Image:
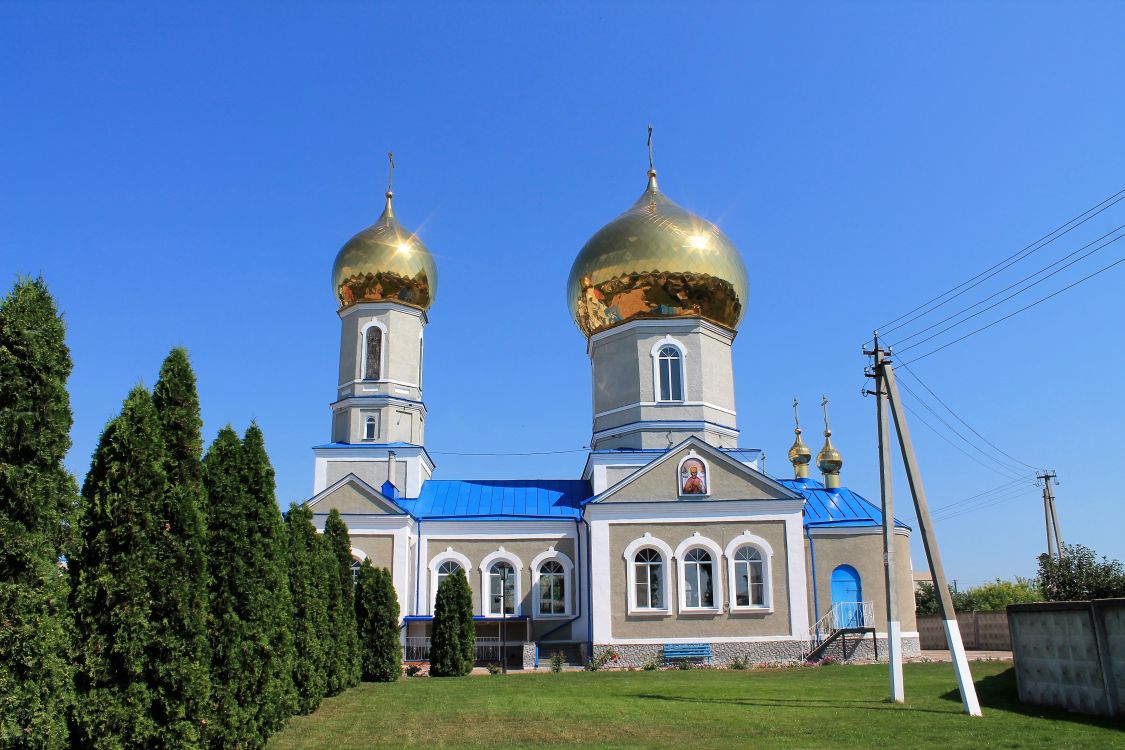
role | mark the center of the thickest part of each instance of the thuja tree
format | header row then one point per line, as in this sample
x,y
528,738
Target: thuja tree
x,y
343,664
376,614
308,588
453,638
119,536
37,498
177,663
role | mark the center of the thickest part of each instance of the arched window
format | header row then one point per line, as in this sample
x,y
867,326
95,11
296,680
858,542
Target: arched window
x,y
749,578
552,588
502,589
370,428
649,576
670,373
446,569
373,347
699,589
356,566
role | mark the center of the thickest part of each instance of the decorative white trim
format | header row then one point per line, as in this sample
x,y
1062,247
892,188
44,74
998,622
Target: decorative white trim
x,y
380,381
702,639
746,539
706,476
385,340
650,425
669,511
568,583
500,555
654,353
648,541
358,554
381,306
681,325
638,404
447,554
698,541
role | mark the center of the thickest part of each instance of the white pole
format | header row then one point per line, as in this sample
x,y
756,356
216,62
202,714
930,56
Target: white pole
x,y
894,629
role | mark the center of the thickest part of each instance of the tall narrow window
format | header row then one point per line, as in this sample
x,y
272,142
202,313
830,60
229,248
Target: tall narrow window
x,y
502,589
371,428
552,588
670,367
374,349
699,590
649,576
356,567
749,581
446,569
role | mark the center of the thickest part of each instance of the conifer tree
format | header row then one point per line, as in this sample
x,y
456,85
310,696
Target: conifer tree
x,y
37,506
120,533
310,608
376,614
178,658
446,655
345,662
468,634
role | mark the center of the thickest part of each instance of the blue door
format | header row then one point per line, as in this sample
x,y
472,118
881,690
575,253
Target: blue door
x,y
847,593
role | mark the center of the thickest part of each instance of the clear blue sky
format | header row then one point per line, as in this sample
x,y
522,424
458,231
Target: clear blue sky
x,y
185,176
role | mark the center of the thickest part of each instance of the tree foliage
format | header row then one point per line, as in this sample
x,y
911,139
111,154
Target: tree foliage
x,y
37,505
988,597
1079,575
343,657
179,651
309,591
453,638
376,614
112,582
251,610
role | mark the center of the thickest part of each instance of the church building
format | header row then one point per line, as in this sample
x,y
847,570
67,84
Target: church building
x,y
673,543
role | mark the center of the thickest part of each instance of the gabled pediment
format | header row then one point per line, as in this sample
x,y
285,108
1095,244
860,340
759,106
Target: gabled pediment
x,y
352,495
694,471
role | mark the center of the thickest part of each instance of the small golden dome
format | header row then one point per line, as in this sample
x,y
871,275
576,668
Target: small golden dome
x,y
799,453
385,263
829,460
656,260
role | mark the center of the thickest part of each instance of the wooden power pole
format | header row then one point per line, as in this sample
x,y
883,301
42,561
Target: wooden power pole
x,y
885,375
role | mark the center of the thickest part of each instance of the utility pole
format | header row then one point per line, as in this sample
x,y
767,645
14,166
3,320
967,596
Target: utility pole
x,y
1053,533
886,373
894,629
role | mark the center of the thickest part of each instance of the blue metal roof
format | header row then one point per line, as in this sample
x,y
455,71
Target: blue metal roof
x,y
836,508
496,499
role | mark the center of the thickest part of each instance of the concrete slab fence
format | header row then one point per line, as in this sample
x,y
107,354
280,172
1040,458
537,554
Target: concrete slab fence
x,y
980,631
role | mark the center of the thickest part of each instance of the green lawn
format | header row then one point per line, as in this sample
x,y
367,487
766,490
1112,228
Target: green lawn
x,y
835,706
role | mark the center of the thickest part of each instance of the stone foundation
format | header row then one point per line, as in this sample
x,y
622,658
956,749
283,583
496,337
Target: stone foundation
x,y
636,655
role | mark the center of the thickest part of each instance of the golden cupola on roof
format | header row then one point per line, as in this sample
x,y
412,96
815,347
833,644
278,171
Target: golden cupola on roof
x,y
829,460
385,263
657,260
799,453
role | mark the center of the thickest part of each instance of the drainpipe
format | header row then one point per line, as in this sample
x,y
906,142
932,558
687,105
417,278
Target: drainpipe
x,y
589,594
815,597
418,567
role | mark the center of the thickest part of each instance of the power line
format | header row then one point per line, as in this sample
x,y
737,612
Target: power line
x,y
523,453
1017,256
1017,496
1010,296
1007,486
970,456
922,383
1017,312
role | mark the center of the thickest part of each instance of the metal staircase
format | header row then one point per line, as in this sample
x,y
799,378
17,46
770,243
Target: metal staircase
x,y
842,620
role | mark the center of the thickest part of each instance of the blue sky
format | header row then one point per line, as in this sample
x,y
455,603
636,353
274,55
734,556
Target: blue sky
x,y
184,175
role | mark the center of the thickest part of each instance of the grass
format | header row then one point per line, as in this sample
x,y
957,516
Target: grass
x,y
833,706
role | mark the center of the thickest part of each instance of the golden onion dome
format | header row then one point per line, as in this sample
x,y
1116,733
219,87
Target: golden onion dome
x,y
829,460
656,260
385,263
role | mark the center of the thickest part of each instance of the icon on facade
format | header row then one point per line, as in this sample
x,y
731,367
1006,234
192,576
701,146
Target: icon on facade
x,y
693,477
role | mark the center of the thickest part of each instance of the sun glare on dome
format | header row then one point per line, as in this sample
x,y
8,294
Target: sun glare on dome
x,y
404,248
698,241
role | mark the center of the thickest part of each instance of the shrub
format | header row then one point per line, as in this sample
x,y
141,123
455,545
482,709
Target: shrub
x,y
685,664
446,652
1078,575
412,670
651,664
558,661
739,662
493,668
376,614
601,660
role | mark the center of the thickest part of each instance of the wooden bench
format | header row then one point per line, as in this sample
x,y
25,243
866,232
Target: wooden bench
x,y
676,652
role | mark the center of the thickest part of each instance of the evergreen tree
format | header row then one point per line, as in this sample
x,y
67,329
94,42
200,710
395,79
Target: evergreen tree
x,y
178,657
468,634
120,534
344,670
447,658
376,614
37,505
310,608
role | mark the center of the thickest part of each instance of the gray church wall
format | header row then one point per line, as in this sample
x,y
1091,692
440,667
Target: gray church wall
x,y
677,625
348,499
864,552
374,472
379,549
662,483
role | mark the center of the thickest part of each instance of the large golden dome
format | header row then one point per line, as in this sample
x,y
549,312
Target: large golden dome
x,y
385,263
656,260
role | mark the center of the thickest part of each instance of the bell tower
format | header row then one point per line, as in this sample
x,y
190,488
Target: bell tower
x,y
384,280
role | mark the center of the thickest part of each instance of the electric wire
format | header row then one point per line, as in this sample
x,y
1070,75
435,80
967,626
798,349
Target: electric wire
x,y
1007,486
1010,296
1017,496
970,456
518,453
1101,270
1017,256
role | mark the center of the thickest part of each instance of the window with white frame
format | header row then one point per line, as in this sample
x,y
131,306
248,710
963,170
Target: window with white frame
x,y
552,588
371,427
373,352
648,570
356,567
698,579
501,589
444,570
670,374
749,578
